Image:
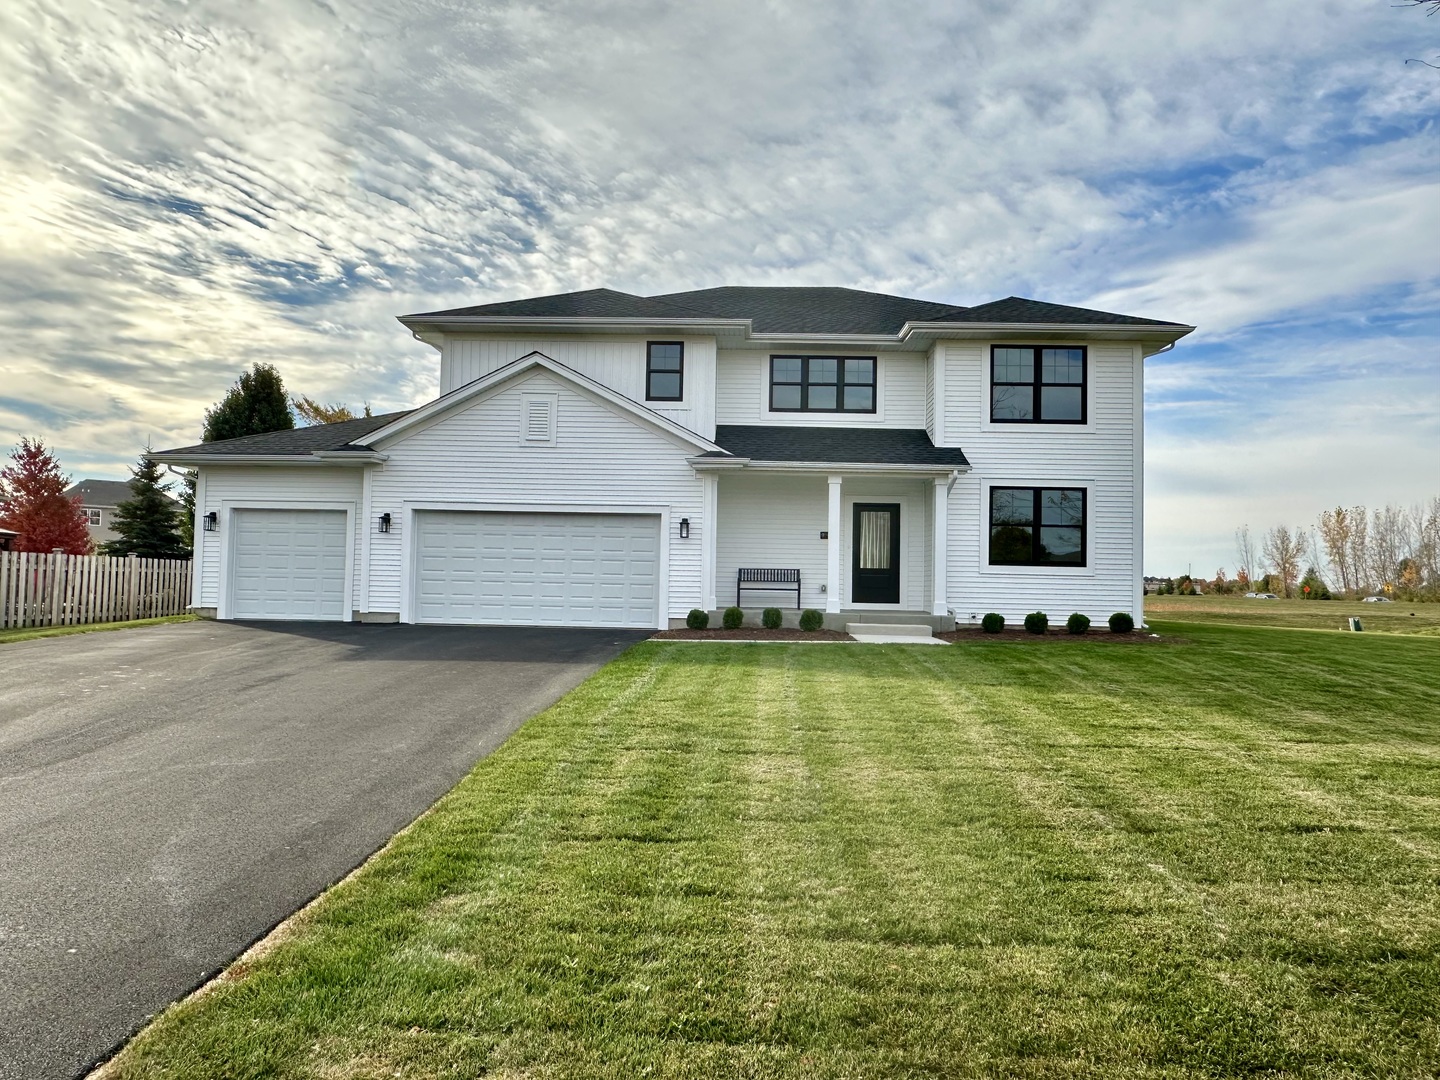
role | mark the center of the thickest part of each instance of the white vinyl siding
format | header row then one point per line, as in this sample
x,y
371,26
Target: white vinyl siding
x,y
280,487
1099,456
475,456
537,569
615,362
288,564
742,391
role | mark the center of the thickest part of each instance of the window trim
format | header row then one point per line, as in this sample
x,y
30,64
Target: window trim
x,y
1035,526
839,384
650,371
1038,381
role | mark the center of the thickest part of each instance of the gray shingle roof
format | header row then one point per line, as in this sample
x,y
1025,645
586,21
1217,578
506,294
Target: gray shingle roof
x,y
346,435
100,493
591,304
852,446
1017,309
793,310
787,310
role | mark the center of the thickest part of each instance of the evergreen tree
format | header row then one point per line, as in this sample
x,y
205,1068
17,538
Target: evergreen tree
x,y
257,403
149,523
33,503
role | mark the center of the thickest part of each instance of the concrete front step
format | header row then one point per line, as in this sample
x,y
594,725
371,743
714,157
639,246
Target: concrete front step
x,y
902,630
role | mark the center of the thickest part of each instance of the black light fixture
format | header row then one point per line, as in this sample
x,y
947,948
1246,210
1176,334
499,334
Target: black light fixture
x,y
684,528
212,521
384,522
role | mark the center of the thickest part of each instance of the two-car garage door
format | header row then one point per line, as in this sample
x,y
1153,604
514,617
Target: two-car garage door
x,y
537,569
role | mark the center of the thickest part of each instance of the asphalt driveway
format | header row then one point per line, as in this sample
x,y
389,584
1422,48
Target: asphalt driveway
x,y
168,794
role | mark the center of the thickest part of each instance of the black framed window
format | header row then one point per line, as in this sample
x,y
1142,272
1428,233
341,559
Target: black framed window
x,y
822,384
1037,384
664,370
1037,526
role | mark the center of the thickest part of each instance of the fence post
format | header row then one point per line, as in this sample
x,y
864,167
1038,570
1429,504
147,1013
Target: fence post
x,y
132,584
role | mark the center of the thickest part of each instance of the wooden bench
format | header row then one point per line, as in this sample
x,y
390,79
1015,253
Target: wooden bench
x,y
758,579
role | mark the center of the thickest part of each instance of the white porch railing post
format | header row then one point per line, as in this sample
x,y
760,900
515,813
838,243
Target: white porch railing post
x,y
940,547
832,575
709,539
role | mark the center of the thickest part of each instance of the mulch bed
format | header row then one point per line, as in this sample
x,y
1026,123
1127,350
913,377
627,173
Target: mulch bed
x,y
753,633
1019,633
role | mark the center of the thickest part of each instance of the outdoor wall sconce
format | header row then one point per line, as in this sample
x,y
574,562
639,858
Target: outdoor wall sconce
x,y
212,521
684,528
384,522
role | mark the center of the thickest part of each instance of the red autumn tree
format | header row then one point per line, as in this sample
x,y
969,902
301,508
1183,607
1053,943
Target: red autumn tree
x,y
33,503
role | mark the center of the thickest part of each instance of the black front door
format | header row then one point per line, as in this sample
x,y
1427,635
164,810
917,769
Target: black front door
x,y
876,554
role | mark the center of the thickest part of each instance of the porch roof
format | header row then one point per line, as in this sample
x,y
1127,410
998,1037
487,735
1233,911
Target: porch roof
x,y
840,445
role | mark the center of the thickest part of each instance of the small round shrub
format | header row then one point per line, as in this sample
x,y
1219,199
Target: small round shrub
x,y
1077,623
771,618
811,620
1121,623
697,619
1037,622
733,618
993,623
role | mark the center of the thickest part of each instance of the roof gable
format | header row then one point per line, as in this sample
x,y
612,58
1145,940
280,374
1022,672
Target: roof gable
x,y
464,396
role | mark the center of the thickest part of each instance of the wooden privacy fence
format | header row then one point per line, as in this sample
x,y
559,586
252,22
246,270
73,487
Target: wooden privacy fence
x,y
67,590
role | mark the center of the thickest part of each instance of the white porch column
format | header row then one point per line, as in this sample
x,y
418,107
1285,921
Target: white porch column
x,y
940,547
832,576
709,538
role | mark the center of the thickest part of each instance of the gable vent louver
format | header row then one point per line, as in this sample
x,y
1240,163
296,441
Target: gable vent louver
x,y
537,420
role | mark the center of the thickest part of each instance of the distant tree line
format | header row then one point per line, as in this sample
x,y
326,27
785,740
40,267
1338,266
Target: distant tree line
x,y
1348,553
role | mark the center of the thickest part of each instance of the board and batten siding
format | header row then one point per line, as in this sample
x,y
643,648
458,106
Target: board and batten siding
x,y
615,362
474,456
268,486
742,389
773,521
1102,455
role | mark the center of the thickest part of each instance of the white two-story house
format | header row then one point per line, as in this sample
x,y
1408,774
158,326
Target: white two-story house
x,y
603,459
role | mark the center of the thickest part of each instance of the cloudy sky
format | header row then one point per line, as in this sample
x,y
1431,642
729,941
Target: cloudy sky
x,y
187,188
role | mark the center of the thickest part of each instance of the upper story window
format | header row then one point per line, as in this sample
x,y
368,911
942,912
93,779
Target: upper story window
x,y
1037,526
822,384
664,371
1032,384
92,517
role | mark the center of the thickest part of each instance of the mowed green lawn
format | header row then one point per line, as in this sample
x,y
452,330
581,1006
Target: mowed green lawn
x,y
1030,859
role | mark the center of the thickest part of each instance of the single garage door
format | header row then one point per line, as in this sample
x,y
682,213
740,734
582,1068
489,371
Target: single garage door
x,y
538,569
288,564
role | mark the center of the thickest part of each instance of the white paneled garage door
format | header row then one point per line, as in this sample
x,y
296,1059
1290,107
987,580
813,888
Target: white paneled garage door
x,y
530,569
288,564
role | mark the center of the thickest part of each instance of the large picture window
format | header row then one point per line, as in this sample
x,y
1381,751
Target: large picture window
x,y
822,384
664,371
1034,384
1037,526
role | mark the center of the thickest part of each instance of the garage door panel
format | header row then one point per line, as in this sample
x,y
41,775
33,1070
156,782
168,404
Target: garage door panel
x,y
538,569
288,564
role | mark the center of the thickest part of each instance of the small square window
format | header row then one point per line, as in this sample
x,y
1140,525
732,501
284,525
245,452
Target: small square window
x,y
665,371
93,518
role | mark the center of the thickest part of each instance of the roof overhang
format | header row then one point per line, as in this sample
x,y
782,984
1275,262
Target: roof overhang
x,y
1160,336
732,464
311,458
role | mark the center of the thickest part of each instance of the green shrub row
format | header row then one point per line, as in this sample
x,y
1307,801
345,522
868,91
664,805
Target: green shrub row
x,y
732,618
1037,622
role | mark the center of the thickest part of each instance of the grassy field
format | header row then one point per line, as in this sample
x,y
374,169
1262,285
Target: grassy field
x,y
1212,858
1399,617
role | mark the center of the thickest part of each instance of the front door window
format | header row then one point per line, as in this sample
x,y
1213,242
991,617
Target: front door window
x,y
876,570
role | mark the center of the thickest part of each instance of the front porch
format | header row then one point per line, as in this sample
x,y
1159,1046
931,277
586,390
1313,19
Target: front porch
x,y
869,544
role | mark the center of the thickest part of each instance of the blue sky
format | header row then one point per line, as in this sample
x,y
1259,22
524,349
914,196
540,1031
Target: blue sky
x,y
192,187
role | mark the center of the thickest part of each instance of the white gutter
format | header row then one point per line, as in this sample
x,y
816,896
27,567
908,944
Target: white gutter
x,y
703,464
315,457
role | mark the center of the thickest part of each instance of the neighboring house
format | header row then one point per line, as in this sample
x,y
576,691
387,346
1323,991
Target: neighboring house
x,y
99,499
7,539
603,459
